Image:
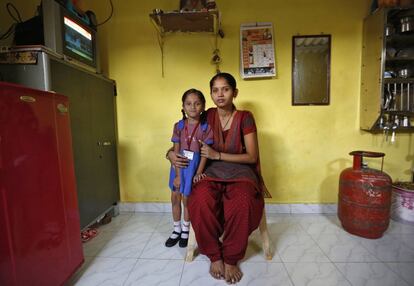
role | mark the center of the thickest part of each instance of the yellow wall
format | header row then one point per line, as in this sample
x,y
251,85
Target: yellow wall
x,y
303,149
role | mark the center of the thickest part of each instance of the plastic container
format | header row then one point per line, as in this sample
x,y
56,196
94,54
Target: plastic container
x,y
402,206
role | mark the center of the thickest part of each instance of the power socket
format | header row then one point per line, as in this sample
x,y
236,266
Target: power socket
x,y
5,49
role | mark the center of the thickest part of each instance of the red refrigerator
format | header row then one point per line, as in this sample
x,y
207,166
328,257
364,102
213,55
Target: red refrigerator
x,y
39,217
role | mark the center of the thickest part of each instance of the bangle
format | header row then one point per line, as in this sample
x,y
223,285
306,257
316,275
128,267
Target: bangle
x,y
219,158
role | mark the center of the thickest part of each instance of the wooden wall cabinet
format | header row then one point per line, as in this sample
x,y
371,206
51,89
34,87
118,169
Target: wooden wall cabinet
x,y
387,73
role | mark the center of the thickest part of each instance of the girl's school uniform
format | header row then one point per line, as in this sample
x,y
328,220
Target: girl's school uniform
x,y
188,135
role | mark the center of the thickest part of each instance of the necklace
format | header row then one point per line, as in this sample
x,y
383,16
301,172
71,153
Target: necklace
x,y
228,120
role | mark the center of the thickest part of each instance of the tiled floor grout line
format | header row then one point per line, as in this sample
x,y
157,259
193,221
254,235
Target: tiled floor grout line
x,y
284,265
333,263
373,254
383,261
277,252
149,239
402,277
283,262
182,273
396,273
103,246
129,274
139,256
287,272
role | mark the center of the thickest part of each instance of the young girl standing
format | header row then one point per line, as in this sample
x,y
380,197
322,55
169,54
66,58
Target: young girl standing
x,y
186,135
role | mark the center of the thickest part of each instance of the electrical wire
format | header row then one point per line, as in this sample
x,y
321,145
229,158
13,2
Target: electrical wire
x,y
8,33
160,38
110,16
18,19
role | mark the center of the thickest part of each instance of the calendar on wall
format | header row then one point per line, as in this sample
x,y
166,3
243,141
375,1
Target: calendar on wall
x,y
257,50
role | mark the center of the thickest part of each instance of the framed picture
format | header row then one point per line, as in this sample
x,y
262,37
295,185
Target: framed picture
x,y
192,5
257,51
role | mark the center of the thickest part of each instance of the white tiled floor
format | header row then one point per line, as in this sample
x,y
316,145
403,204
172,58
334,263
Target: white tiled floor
x,y
310,249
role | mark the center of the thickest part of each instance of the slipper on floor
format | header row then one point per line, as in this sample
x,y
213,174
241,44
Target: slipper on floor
x,y
88,234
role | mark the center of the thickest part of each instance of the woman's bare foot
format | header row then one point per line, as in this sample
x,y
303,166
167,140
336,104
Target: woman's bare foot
x,y
232,273
217,269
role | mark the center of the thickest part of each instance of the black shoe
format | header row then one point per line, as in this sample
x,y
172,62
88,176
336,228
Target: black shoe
x,y
183,241
173,241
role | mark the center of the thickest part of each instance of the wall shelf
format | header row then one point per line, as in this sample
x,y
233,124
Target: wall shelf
x,y
195,21
187,22
398,80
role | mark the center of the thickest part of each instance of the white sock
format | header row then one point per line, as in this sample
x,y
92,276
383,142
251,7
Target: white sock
x,y
177,228
185,227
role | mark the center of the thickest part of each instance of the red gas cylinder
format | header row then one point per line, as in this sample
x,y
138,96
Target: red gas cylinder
x,y
364,198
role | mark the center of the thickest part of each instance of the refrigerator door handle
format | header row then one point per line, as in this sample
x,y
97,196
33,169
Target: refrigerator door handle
x,y
62,108
104,143
27,98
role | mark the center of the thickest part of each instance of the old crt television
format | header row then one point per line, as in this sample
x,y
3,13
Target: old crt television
x,y
62,31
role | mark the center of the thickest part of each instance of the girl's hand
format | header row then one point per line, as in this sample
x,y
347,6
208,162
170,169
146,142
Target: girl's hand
x,y
177,160
198,177
177,183
208,152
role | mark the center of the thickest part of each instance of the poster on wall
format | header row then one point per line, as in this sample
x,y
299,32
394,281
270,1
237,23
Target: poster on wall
x,y
257,51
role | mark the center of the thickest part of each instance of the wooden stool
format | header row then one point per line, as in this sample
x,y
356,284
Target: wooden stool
x,y
264,233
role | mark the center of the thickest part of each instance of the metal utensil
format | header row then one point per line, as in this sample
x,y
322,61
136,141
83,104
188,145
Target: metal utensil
x,y
405,73
389,30
388,98
407,24
385,134
393,128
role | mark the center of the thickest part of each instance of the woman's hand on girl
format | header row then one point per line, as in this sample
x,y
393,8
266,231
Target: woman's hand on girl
x,y
198,177
177,160
208,152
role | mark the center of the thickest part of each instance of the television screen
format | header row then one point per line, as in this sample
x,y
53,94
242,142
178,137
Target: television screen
x,y
78,41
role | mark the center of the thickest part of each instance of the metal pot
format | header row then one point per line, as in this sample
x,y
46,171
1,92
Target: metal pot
x,y
406,53
407,24
391,52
